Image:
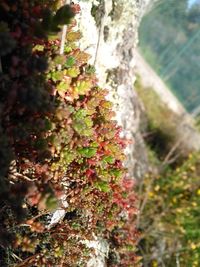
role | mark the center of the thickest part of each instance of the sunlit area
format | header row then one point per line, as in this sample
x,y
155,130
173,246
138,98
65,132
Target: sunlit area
x,y
168,85
100,133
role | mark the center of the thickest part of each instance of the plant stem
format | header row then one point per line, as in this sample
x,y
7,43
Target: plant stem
x,y
63,36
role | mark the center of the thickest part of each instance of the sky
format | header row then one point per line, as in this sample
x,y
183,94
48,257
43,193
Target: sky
x,y
191,2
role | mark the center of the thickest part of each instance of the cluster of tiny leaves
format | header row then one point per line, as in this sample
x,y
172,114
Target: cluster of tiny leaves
x,y
58,138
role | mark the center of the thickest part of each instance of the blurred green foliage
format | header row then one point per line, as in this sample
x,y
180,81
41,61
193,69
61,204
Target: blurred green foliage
x,y
170,216
169,194
160,124
169,41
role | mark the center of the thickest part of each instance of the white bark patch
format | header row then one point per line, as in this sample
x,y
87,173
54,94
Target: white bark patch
x,y
101,249
59,214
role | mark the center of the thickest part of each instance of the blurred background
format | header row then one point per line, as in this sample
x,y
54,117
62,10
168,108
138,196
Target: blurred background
x,y
169,37
168,85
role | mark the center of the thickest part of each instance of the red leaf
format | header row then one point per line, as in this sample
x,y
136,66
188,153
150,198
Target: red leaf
x,y
89,173
128,183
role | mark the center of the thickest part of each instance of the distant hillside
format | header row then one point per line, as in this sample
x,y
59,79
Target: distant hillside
x,y
170,41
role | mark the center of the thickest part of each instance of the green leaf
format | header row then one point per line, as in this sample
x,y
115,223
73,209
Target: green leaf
x,y
59,59
82,130
62,87
130,247
103,186
57,76
68,156
90,69
80,114
104,174
70,62
94,144
73,36
68,49
88,122
38,48
115,172
82,87
73,72
82,123
76,225
51,202
87,152
109,159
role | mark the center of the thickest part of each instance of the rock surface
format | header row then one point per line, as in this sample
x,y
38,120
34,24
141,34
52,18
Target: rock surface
x,y
111,37
112,40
